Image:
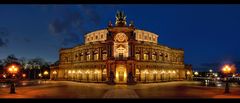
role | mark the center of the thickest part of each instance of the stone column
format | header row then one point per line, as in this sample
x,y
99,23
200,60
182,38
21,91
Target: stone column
x,y
108,71
92,55
133,51
157,56
141,54
100,54
84,55
150,54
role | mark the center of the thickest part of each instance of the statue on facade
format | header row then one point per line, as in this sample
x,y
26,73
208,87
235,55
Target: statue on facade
x,y
109,24
111,79
131,24
130,78
120,19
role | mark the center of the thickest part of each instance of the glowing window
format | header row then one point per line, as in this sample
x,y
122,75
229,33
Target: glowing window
x,y
105,56
137,56
153,57
95,56
88,57
145,56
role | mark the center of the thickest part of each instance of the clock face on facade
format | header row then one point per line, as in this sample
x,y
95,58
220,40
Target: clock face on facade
x,y
120,37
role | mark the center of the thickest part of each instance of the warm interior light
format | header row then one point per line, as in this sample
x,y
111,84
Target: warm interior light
x,y
196,73
45,73
54,72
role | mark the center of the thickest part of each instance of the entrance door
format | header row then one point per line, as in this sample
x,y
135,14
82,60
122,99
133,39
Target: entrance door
x,y
121,76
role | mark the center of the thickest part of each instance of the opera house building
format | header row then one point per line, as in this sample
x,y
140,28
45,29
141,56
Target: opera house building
x,y
121,53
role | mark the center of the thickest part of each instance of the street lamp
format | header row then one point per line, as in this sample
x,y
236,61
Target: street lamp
x,y
169,72
196,73
174,76
4,76
162,74
45,73
145,72
210,70
69,74
73,75
23,75
188,73
96,74
138,74
87,72
13,70
40,75
155,75
80,73
226,70
55,74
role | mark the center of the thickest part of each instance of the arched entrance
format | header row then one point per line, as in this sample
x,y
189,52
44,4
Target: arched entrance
x,y
121,74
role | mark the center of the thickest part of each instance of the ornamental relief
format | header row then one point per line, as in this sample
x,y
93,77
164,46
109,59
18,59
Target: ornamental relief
x,y
121,37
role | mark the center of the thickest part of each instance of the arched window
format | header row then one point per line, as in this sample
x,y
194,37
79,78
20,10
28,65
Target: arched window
x,y
76,57
166,57
81,57
137,55
145,56
154,56
96,56
161,57
104,55
88,56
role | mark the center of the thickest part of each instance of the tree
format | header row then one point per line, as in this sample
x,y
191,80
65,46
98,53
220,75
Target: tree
x,y
1,62
1,66
10,60
56,63
36,64
24,64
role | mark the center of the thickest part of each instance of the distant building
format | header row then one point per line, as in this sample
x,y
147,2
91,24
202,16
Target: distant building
x,y
123,54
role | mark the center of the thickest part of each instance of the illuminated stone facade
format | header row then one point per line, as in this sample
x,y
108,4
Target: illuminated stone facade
x,y
130,54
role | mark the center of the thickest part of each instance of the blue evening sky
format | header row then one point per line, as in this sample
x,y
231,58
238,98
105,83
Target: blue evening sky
x,y
209,34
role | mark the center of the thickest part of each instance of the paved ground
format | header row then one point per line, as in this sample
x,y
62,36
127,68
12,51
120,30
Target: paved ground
x,y
68,89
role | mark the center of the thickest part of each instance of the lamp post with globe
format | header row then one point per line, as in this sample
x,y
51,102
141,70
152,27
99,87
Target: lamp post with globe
x,y
55,75
13,70
45,73
226,70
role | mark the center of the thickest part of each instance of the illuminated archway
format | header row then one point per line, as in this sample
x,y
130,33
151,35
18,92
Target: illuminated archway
x,y
121,74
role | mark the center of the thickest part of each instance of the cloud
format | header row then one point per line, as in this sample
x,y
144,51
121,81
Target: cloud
x,y
27,40
3,37
217,65
73,23
3,42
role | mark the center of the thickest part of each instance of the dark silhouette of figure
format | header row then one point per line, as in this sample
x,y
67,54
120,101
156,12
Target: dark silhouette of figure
x,y
12,88
111,77
130,77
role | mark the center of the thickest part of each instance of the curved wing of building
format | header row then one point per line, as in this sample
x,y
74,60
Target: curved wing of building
x,y
121,54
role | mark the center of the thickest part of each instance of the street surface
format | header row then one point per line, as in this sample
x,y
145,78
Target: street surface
x,y
69,89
